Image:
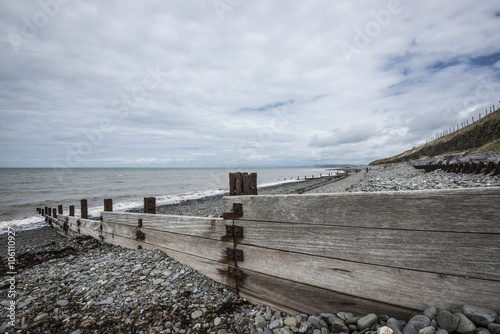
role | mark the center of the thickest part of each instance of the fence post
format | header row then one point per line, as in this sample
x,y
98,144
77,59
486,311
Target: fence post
x,y
84,209
54,212
242,184
72,210
108,204
60,209
150,205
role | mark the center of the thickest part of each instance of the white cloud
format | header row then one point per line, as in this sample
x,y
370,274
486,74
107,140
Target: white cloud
x,y
421,69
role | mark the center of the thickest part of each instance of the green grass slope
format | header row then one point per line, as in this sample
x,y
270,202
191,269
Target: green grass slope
x,y
480,136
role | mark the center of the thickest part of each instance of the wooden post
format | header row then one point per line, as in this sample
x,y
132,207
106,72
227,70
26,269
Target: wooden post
x,y
489,167
235,184
150,205
54,212
250,184
84,209
49,211
42,212
60,209
72,210
108,204
497,170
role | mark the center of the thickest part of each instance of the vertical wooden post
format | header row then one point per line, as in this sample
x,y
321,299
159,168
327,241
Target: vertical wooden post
x,y
49,211
54,212
72,210
243,184
42,212
250,184
84,209
60,209
235,184
150,205
108,204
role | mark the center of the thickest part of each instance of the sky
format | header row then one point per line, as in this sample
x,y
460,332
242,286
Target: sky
x,y
238,83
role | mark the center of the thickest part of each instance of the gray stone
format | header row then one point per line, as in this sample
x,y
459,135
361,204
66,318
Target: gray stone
x,y
217,321
446,320
290,321
268,331
107,301
339,327
351,320
442,331
465,325
416,324
427,330
479,315
316,331
285,330
395,324
268,315
196,314
367,321
76,331
260,321
315,321
168,324
353,328
41,317
222,331
276,324
494,328
482,331
431,312
62,302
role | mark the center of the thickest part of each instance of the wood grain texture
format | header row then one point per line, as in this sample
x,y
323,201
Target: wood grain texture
x,y
405,288
460,254
457,210
202,247
297,298
210,228
212,269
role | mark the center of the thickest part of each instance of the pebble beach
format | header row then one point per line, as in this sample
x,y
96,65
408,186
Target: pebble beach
x,y
82,286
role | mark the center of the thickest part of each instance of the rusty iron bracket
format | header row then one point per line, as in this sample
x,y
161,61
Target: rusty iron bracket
x,y
140,236
236,214
234,254
235,272
234,231
139,223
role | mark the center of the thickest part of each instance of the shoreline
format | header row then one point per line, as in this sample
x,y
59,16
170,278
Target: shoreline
x,y
82,286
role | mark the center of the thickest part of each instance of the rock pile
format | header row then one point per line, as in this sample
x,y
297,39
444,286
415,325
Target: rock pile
x,y
81,286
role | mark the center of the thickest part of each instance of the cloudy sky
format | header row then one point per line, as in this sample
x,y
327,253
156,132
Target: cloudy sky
x,y
218,83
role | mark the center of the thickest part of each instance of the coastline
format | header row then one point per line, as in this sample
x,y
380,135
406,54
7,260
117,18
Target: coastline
x,y
81,286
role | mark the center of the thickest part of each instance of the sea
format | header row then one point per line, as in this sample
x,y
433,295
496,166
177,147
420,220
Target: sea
x,y
22,190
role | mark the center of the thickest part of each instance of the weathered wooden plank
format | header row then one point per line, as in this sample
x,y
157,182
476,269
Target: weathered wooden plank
x,y
456,210
462,254
296,298
212,269
210,228
405,288
202,247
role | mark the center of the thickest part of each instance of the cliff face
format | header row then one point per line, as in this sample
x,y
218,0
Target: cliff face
x,y
473,136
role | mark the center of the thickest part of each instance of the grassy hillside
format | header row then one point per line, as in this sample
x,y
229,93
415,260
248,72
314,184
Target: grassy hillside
x,y
480,136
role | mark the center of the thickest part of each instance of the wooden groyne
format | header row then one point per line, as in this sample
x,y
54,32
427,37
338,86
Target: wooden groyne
x,y
485,168
390,253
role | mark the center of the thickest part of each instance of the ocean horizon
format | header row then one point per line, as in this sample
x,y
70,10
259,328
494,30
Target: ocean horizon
x,y
22,189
